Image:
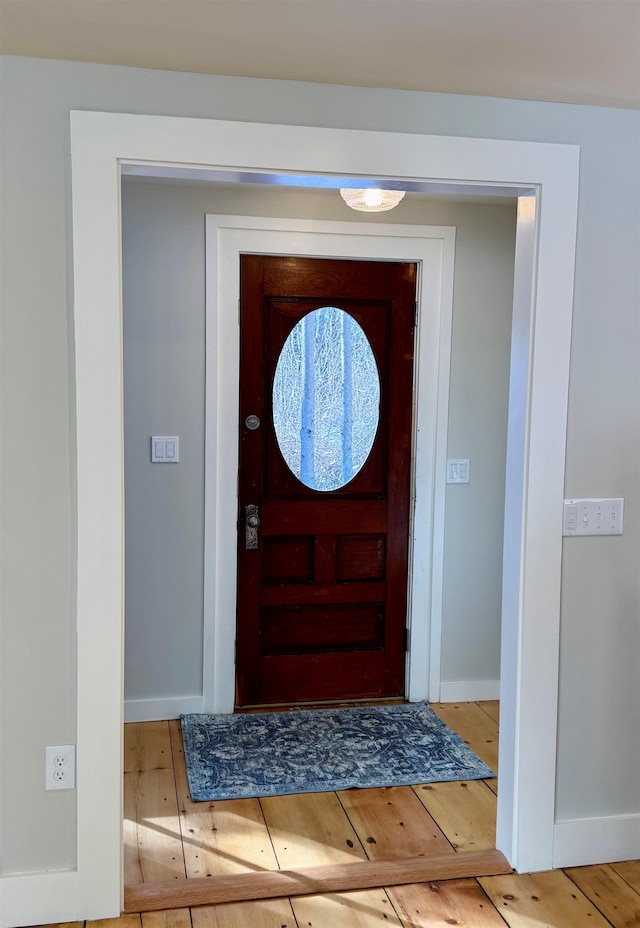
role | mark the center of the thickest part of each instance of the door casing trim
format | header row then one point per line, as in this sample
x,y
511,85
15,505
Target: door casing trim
x,y
433,249
545,177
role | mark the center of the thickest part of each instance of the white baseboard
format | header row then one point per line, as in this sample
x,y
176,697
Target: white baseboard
x,y
156,710
49,897
596,840
39,899
470,691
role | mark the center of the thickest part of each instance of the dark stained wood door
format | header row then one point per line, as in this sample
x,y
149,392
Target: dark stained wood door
x,y
322,597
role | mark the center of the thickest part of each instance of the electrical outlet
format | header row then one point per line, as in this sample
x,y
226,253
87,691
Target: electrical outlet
x,y
60,766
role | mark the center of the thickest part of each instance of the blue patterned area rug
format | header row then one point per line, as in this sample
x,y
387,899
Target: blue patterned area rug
x,y
308,751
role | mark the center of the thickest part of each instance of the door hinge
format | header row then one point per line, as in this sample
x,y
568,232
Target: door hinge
x,y
415,314
405,639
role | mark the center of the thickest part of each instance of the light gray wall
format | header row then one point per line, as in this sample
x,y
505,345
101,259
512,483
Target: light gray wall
x,y
599,733
163,296
478,405
164,273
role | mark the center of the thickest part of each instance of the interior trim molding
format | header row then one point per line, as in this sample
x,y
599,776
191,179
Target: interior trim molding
x,y
158,710
432,247
40,898
470,691
101,143
606,839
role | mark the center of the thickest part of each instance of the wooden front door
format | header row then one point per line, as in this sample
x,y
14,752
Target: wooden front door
x,y
322,579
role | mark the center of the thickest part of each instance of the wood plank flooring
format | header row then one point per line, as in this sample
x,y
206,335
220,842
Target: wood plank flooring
x,y
169,837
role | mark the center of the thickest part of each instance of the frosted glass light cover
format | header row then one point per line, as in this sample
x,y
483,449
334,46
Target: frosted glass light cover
x,y
371,199
326,399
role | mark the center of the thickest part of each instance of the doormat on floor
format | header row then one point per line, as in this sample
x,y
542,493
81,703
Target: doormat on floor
x,y
320,750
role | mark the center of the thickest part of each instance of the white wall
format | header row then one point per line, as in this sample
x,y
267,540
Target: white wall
x,y
163,260
599,734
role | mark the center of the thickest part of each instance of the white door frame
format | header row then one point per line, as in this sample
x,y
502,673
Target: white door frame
x,y
432,247
546,177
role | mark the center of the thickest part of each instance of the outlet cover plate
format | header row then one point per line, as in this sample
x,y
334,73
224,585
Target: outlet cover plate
x,y
60,766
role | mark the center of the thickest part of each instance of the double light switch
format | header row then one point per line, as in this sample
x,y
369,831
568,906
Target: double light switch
x,y
165,449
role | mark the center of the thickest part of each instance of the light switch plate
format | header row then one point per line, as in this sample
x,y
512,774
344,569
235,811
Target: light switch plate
x,y
165,449
593,516
458,470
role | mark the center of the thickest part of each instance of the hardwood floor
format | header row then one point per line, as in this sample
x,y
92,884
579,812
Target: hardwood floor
x,y
169,837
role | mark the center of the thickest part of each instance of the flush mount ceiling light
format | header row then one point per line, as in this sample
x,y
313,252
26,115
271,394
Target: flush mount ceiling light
x,y
371,200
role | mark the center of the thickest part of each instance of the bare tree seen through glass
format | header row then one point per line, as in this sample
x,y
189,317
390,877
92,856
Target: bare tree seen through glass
x,y
326,399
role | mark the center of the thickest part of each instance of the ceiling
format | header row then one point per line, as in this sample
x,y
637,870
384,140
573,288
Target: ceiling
x,y
567,51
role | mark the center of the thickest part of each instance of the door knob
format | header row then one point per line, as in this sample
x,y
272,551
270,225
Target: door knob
x,y
251,525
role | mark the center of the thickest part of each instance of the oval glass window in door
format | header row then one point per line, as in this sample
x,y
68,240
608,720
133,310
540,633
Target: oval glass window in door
x,y
326,399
